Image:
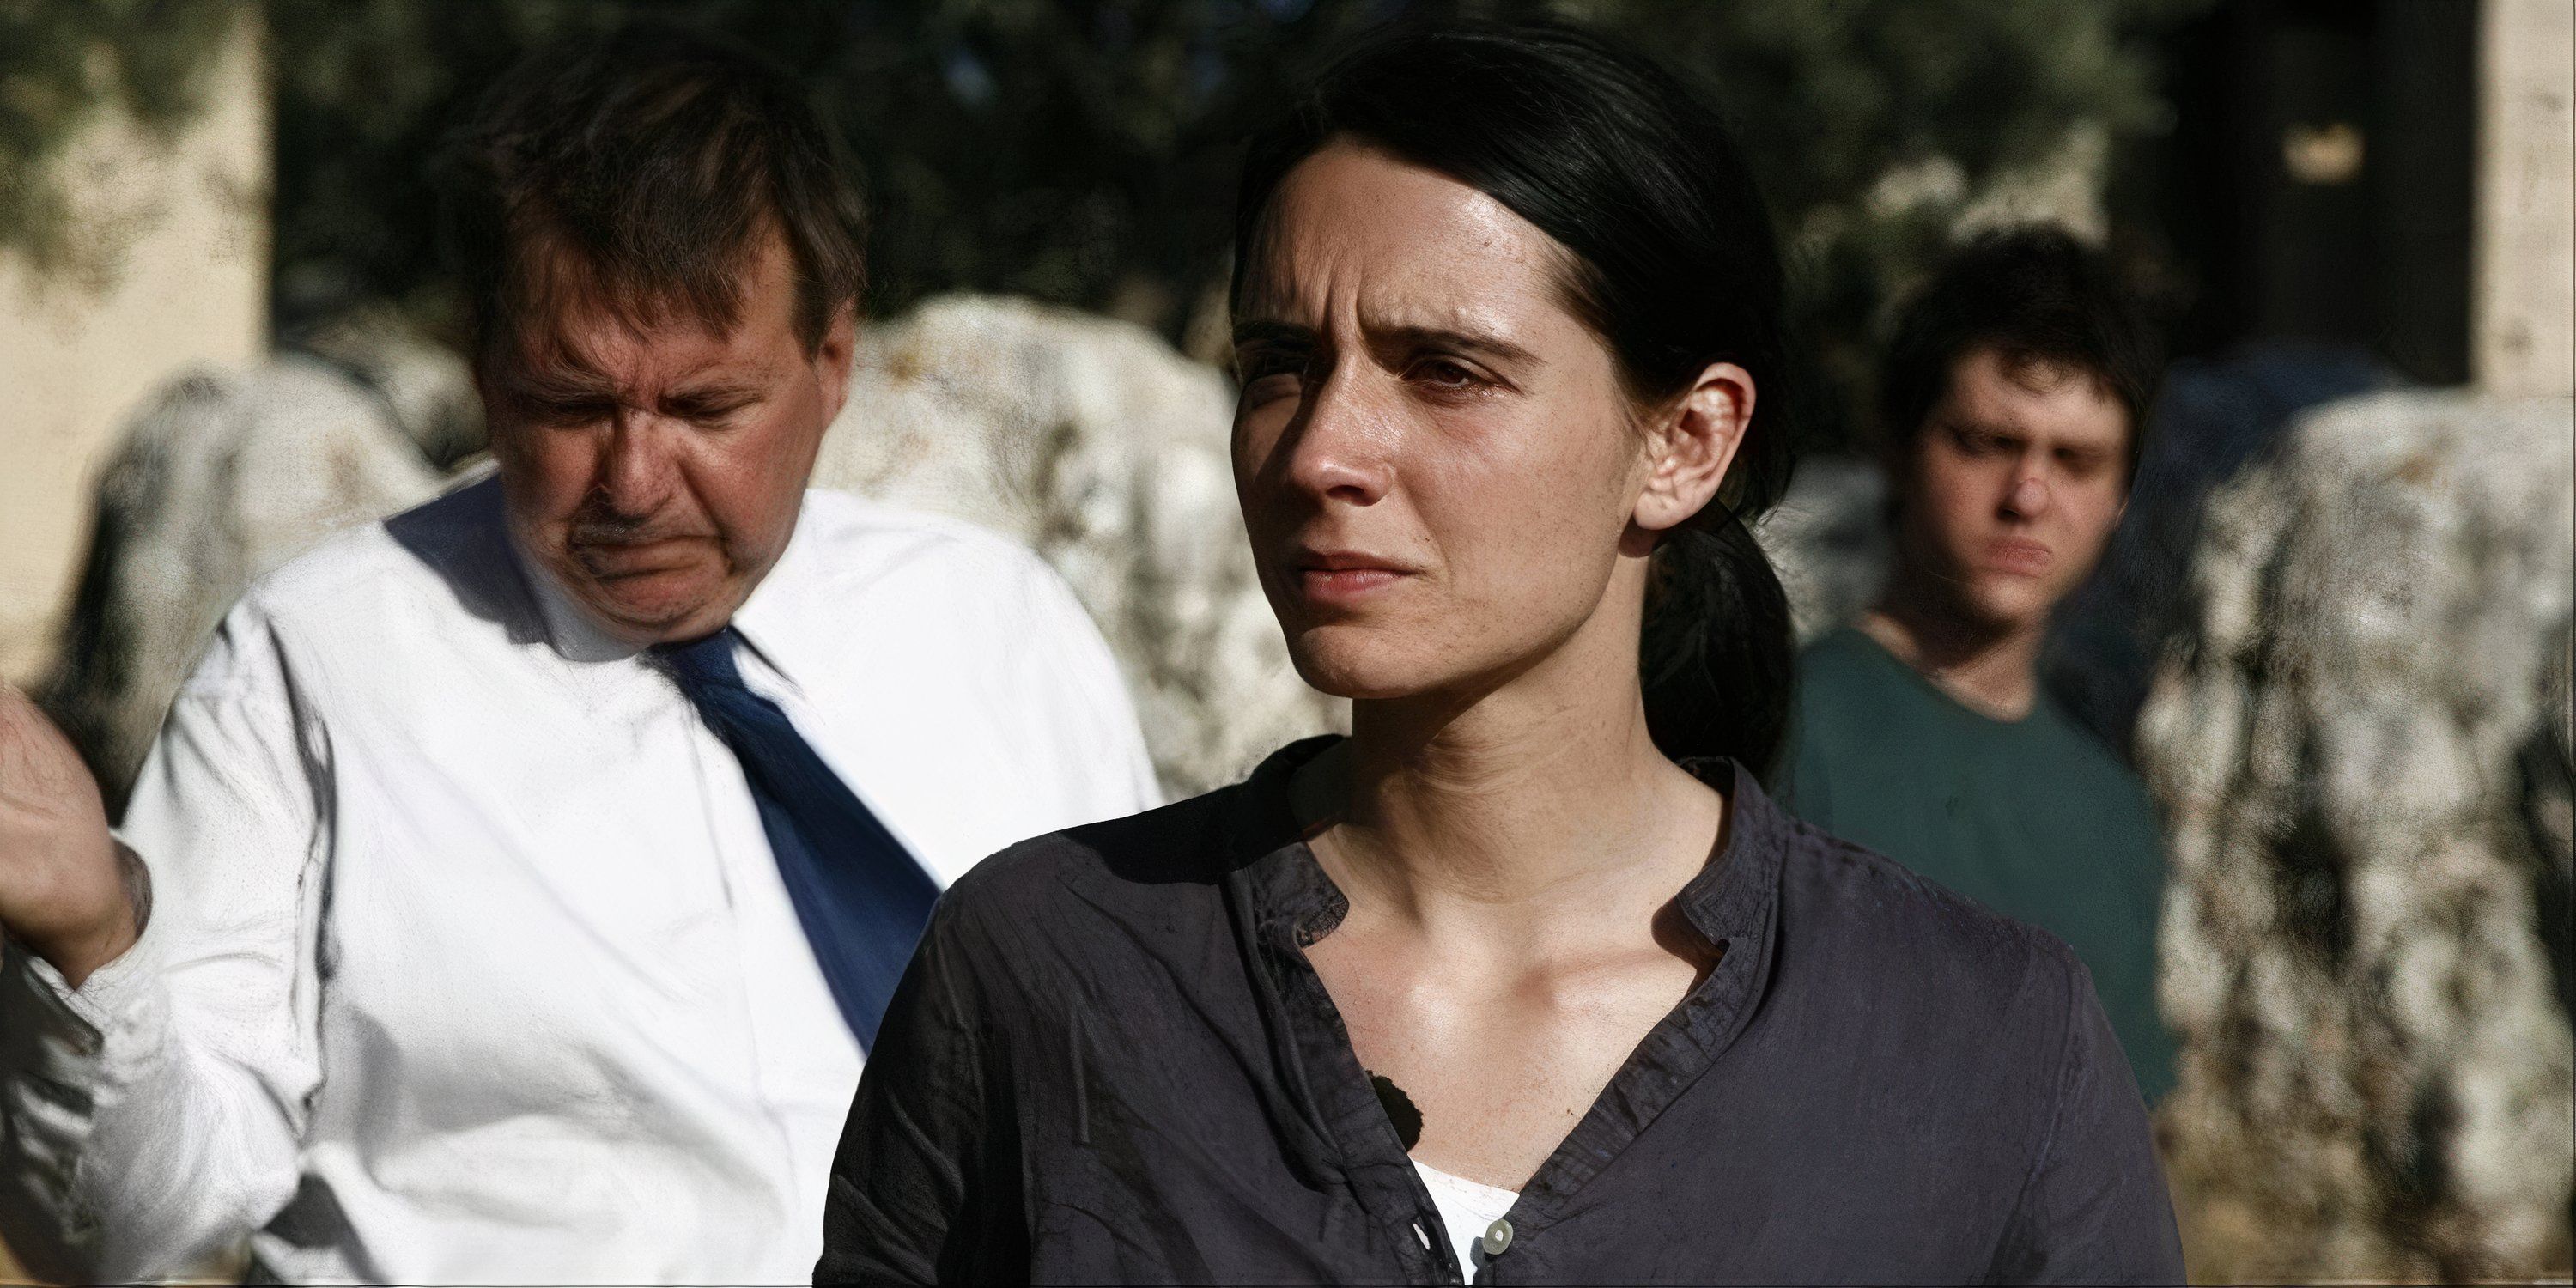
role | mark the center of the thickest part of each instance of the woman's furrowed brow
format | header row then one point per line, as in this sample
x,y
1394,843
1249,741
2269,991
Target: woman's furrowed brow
x,y
1470,343
1271,332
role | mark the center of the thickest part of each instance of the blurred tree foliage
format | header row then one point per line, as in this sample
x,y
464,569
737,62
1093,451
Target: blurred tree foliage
x,y
1081,151
64,65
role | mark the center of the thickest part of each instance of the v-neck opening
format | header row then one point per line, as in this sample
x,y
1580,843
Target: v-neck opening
x,y
1731,902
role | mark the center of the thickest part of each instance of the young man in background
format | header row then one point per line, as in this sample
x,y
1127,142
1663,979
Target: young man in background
x,y
2013,397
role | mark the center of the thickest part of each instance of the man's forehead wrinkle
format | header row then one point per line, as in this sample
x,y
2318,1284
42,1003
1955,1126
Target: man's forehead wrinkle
x,y
2040,373
560,276
570,361
561,380
2043,374
2079,412
583,319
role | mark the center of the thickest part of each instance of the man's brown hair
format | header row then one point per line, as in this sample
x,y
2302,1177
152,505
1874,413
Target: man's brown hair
x,y
644,171
2034,294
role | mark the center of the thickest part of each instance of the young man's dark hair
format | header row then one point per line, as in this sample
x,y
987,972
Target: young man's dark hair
x,y
647,168
2033,294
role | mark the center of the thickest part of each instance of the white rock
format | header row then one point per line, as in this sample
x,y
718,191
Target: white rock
x,y
2359,738
222,477
1107,452
1828,540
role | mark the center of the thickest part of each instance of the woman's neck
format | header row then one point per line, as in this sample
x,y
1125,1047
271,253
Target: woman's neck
x,y
1480,812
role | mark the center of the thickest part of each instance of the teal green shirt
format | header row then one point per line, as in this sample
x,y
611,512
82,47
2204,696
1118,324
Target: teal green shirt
x,y
2032,818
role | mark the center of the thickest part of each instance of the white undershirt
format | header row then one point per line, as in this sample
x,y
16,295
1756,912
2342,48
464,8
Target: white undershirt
x,y
1467,1208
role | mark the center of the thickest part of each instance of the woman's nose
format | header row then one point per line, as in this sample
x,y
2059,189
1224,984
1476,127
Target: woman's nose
x,y
1340,449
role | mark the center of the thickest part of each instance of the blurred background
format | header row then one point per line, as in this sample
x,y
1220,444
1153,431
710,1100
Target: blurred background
x,y
2334,635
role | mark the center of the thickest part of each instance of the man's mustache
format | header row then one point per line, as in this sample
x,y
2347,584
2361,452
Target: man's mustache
x,y
616,530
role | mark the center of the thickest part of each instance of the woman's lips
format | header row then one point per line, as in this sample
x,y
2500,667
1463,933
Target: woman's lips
x,y
1343,585
1344,577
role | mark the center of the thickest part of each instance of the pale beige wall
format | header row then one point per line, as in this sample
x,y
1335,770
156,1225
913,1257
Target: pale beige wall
x,y
2523,337
191,286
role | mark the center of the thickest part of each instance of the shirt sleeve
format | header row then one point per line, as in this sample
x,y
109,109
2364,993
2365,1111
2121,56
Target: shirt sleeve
x,y
152,1115
924,1186
2095,1208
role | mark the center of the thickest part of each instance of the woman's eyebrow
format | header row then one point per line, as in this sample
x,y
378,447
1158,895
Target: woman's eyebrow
x,y
1253,332
1468,342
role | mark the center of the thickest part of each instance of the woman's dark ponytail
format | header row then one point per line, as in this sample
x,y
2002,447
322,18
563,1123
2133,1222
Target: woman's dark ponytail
x,y
1715,657
1626,165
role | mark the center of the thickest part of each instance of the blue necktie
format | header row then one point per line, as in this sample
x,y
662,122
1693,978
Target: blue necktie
x,y
861,896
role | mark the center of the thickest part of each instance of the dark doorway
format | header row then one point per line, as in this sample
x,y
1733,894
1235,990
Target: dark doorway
x,y
2317,181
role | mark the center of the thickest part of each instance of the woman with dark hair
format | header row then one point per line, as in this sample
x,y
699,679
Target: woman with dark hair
x,y
1524,980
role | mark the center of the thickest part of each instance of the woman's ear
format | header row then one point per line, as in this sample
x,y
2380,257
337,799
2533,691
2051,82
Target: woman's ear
x,y
1694,445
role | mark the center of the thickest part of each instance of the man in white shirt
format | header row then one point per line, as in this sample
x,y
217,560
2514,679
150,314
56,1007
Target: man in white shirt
x,y
519,877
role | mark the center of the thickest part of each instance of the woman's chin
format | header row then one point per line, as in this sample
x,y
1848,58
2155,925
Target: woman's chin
x,y
1358,669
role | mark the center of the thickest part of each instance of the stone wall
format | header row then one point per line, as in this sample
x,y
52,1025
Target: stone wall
x,y
2362,740
2523,281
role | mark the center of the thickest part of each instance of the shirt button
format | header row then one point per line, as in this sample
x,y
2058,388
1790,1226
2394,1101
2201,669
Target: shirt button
x,y
1498,1238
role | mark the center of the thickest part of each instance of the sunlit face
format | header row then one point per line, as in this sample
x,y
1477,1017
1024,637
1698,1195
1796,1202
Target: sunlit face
x,y
1440,469
656,471
2018,479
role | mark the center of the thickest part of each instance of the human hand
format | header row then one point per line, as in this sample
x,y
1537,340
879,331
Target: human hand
x,y
68,890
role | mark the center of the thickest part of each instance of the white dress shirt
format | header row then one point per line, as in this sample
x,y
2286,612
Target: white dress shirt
x,y
468,959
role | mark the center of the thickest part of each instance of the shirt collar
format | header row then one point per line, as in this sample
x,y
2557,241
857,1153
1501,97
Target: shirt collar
x,y
1284,896
769,621
1730,900
570,630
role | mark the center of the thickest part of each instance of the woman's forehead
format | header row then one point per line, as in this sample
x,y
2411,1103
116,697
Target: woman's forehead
x,y
1353,229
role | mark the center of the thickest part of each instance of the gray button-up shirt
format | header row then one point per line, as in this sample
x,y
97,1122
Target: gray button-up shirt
x,y
1111,1062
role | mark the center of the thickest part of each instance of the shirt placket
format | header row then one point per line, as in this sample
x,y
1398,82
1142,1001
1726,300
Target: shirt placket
x,y
1729,904
742,859
1733,905
1350,1116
